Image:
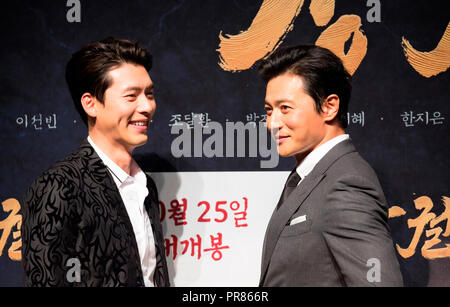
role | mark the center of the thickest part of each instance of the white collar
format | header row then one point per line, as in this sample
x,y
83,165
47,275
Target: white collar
x,y
116,170
307,165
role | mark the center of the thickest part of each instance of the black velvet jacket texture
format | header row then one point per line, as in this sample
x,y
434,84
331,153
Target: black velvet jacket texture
x,y
73,213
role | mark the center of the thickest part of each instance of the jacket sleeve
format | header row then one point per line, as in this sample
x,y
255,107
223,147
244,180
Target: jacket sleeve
x,y
49,232
357,234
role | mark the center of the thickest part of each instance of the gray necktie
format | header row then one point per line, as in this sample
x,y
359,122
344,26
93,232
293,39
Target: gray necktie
x,y
291,183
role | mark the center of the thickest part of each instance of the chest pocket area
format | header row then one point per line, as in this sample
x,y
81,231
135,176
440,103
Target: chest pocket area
x,y
297,229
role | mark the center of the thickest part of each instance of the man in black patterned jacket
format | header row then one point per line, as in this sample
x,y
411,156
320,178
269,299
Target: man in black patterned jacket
x,y
93,219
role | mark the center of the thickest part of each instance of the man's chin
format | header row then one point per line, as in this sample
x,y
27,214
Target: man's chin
x,y
285,153
137,142
142,143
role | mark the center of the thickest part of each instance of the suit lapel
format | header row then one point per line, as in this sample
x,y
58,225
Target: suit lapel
x,y
102,177
161,276
280,217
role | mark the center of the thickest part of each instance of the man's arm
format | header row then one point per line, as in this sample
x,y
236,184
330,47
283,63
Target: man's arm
x,y
49,231
357,233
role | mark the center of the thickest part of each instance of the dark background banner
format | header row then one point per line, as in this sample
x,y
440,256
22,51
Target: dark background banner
x,y
398,117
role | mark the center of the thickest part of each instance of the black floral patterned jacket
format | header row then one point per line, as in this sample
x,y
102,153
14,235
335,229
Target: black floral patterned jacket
x,y
73,214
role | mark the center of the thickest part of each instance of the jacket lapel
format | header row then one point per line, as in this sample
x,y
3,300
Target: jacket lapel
x,y
280,217
102,178
161,277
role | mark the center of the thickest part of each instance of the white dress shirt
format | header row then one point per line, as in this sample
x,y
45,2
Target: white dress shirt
x,y
133,190
306,166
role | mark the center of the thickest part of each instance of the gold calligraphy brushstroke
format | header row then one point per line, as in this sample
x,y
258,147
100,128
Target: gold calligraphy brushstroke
x,y
445,216
14,219
322,11
336,35
434,253
422,203
427,250
431,63
273,21
396,211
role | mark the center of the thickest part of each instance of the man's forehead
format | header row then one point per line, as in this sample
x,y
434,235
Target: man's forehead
x,y
130,77
284,87
286,81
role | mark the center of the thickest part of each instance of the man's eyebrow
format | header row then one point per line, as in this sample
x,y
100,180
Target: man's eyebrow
x,y
276,102
132,89
138,88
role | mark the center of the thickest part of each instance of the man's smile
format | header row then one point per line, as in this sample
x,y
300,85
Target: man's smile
x,y
141,124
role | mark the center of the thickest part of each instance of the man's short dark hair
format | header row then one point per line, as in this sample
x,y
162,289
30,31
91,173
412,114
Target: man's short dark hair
x,y
87,70
322,71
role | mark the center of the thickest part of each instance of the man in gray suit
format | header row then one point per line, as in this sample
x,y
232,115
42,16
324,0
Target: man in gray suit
x,y
330,226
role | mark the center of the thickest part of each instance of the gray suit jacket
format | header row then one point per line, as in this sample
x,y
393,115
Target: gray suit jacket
x,y
345,239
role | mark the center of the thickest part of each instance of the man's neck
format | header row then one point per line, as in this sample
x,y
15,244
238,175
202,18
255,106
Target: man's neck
x,y
331,134
115,151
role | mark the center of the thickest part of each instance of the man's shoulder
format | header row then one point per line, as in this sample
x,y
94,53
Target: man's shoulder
x,y
354,163
66,165
353,170
356,182
349,162
65,169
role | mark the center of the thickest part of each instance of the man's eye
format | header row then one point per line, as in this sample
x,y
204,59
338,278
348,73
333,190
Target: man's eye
x,y
131,97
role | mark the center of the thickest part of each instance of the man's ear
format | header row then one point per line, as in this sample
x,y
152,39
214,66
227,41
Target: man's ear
x,y
88,102
330,107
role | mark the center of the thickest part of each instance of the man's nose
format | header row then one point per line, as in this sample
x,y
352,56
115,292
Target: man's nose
x,y
275,121
146,105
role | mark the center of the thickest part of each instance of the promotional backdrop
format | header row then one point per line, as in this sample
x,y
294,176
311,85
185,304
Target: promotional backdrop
x,y
208,148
